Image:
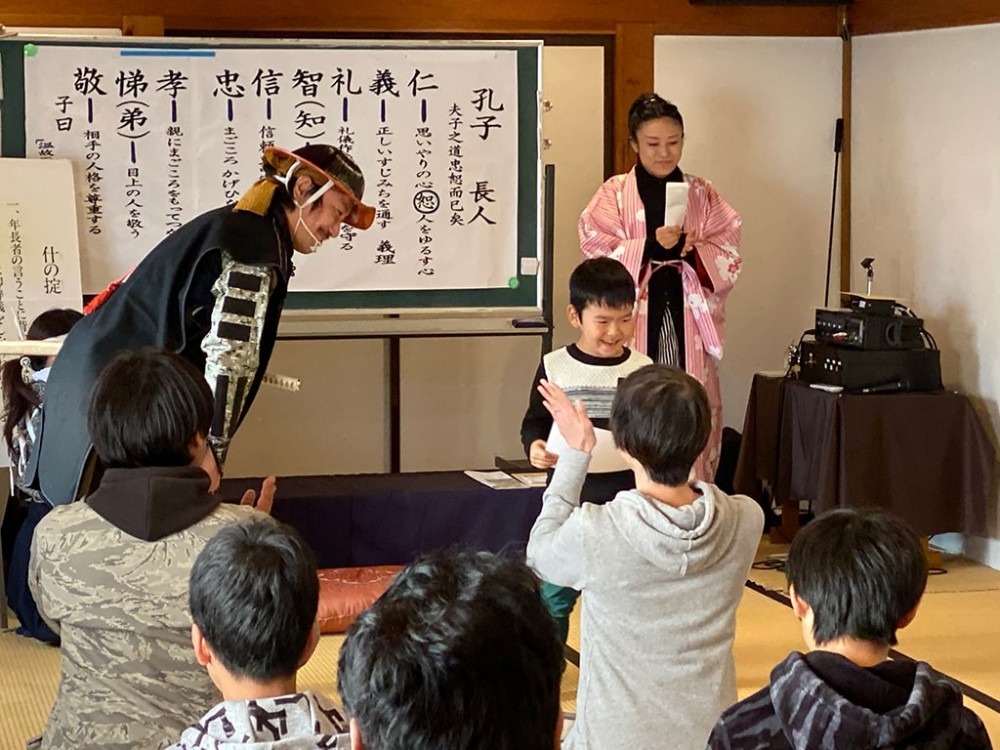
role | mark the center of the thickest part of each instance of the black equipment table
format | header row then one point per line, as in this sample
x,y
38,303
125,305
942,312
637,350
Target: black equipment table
x,y
924,456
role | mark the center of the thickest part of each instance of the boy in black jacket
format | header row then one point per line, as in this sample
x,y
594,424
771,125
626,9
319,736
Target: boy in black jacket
x,y
855,577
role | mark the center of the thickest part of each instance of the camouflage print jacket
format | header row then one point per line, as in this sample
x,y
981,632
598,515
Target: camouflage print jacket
x,y
110,575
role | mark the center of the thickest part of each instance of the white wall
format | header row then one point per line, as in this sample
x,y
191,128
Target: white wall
x,y
462,398
926,205
759,116
334,425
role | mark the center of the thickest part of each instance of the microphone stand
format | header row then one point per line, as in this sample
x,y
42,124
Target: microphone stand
x,y
838,144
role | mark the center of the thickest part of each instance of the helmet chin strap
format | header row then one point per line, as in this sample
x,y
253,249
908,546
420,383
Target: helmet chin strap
x,y
301,206
316,240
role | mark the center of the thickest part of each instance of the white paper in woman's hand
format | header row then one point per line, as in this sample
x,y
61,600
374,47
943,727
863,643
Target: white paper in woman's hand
x,y
676,205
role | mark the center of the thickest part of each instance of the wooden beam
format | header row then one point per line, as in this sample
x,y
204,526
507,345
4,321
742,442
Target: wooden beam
x,y
633,76
374,28
786,22
142,25
882,16
734,20
61,20
455,16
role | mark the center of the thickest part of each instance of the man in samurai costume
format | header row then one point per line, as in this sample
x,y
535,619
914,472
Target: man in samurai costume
x,y
212,291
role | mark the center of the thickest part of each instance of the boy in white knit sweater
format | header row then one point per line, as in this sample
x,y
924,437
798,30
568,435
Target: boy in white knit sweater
x,y
601,302
661,568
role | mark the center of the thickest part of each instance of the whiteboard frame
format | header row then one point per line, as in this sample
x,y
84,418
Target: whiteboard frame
x,y
326,319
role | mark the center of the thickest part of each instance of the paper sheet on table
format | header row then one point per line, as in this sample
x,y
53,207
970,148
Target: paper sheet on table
x,y
676,205
496,480
603,459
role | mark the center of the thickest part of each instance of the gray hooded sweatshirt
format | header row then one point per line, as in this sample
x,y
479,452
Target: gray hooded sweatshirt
x,y
660,590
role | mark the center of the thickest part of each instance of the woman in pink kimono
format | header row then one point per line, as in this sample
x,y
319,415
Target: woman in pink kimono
x,y
683,273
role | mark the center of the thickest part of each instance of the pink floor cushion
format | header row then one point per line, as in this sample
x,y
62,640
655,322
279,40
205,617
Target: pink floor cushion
x,y
344,593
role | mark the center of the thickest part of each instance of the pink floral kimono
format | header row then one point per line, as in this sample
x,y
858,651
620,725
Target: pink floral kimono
x,y
614,225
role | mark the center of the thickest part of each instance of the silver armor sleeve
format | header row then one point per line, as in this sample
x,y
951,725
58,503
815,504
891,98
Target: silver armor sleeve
x,y
232,345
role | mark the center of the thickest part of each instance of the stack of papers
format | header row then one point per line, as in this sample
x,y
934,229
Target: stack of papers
x,y
497,480
533,479
500,480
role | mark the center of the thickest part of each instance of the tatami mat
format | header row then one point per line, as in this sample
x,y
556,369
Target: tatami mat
x,y
29,676
320,672
957,630
959,576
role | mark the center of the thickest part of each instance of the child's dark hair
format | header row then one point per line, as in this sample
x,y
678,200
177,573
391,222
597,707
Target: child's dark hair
x,y
458,653
19,396
648,107
146,408
601,281
861,571
254,594
661,417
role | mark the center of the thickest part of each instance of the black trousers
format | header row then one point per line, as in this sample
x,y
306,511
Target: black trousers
x,y
18,594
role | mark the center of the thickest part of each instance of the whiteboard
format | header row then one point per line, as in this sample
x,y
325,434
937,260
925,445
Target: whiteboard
x,y
160,135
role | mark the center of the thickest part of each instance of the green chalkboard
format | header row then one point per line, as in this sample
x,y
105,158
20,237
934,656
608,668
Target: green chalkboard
x,y
525,292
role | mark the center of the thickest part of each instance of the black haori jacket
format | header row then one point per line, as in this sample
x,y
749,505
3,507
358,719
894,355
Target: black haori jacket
x,y
167,302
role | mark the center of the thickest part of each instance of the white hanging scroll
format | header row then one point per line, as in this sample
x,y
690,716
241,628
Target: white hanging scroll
x,y
158,136
39,251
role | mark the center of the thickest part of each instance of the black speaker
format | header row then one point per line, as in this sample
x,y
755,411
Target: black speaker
x,y
860,369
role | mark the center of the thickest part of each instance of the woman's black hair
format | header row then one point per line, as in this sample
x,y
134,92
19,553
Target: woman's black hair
x,y
648,107
19,396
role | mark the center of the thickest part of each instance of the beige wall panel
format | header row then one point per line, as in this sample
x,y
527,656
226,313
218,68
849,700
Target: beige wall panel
x,y
334,425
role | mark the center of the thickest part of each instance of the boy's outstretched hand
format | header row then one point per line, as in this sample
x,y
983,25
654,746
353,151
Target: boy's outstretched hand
x,y
570,417
266,499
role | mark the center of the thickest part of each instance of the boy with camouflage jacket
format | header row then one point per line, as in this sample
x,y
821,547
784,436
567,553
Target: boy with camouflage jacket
x,y
110,573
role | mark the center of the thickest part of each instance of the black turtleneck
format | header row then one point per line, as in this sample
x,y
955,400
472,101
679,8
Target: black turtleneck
x,y
665,288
